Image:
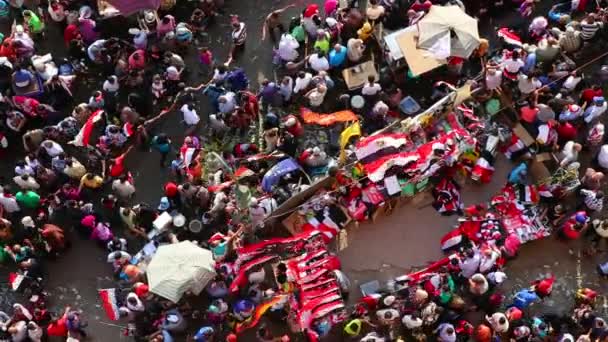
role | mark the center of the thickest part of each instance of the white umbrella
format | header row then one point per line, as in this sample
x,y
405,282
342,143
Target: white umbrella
x,y
180,267
449,23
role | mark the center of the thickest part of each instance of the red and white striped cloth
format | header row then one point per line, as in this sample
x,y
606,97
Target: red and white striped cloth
x,y
510,37
376,169
84,135
109,303
15,279
371,145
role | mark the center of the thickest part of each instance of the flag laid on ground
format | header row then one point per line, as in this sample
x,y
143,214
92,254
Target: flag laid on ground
x,y
109,303
379,145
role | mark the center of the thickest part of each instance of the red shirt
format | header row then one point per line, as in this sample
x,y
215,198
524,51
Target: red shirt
x,y
170,189
118,168
528,114
569,231
567,132
588,94
58,328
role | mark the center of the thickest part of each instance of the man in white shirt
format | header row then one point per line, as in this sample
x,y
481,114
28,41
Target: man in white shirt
x,y
318,61
123,188
493,78
302,81
26,182
570,153
191,118
470,264
111,85
286,88
597,109
227,103
371,87
23,169
8,202
527,85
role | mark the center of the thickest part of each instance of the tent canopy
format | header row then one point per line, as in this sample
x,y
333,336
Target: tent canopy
x,y
443,24
180,267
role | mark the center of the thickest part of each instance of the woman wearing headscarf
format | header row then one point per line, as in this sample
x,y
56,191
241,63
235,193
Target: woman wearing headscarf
x,y
87,26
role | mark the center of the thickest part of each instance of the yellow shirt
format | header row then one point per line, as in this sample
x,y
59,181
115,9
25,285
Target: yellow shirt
x,y
93,183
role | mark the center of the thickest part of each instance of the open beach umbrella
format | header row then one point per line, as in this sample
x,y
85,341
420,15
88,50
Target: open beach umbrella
x,y
449,23
180,267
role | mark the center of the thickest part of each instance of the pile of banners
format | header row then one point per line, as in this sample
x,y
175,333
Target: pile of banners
x,y
393,164
508,220
313,273
511,215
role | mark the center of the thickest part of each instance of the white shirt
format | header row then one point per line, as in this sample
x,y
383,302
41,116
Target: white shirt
x,y
29,184
9,204
286,89
318,63
111,87
571,82
25,170
513,66
190,116
595,111
493,80
569,153
371,89
54,150
602,157
123,190
527,86
470,266
302,83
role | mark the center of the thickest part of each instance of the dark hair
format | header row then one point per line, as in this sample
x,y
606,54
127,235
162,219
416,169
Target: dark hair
x,y
371,78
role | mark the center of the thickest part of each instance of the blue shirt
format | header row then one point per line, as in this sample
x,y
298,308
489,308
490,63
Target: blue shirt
x,y
518,174
200,334
337,58
167,336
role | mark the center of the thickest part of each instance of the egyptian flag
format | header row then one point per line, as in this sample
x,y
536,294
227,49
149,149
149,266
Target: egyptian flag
x,y
376,146
375,170
509,37
109,303
188,154
260,310
84,136
15,279
451,240
128,129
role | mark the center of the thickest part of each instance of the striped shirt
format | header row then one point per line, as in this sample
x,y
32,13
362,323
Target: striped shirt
x,y
588,30
591,200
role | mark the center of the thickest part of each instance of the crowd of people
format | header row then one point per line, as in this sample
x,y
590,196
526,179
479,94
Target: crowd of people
x,y
234,166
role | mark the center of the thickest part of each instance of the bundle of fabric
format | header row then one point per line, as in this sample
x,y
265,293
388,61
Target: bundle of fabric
x,y
447,147
447,197
376,146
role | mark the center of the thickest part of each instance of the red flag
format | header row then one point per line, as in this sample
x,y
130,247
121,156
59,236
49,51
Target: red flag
x,y
109,303
83,137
